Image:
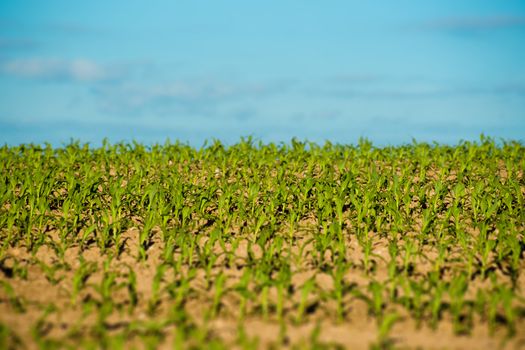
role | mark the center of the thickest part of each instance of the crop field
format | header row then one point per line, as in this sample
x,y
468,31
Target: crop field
x,y
263,246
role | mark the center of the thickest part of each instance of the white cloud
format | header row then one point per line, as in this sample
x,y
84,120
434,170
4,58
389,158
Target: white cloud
x,y
193,97
77,70
84,70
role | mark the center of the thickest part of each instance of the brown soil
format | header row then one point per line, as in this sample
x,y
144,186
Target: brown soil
x,y
44,303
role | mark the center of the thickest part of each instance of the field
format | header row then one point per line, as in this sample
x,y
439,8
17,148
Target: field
x,y
256,246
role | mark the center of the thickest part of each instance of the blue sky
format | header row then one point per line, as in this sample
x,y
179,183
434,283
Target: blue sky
x,y
317,70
